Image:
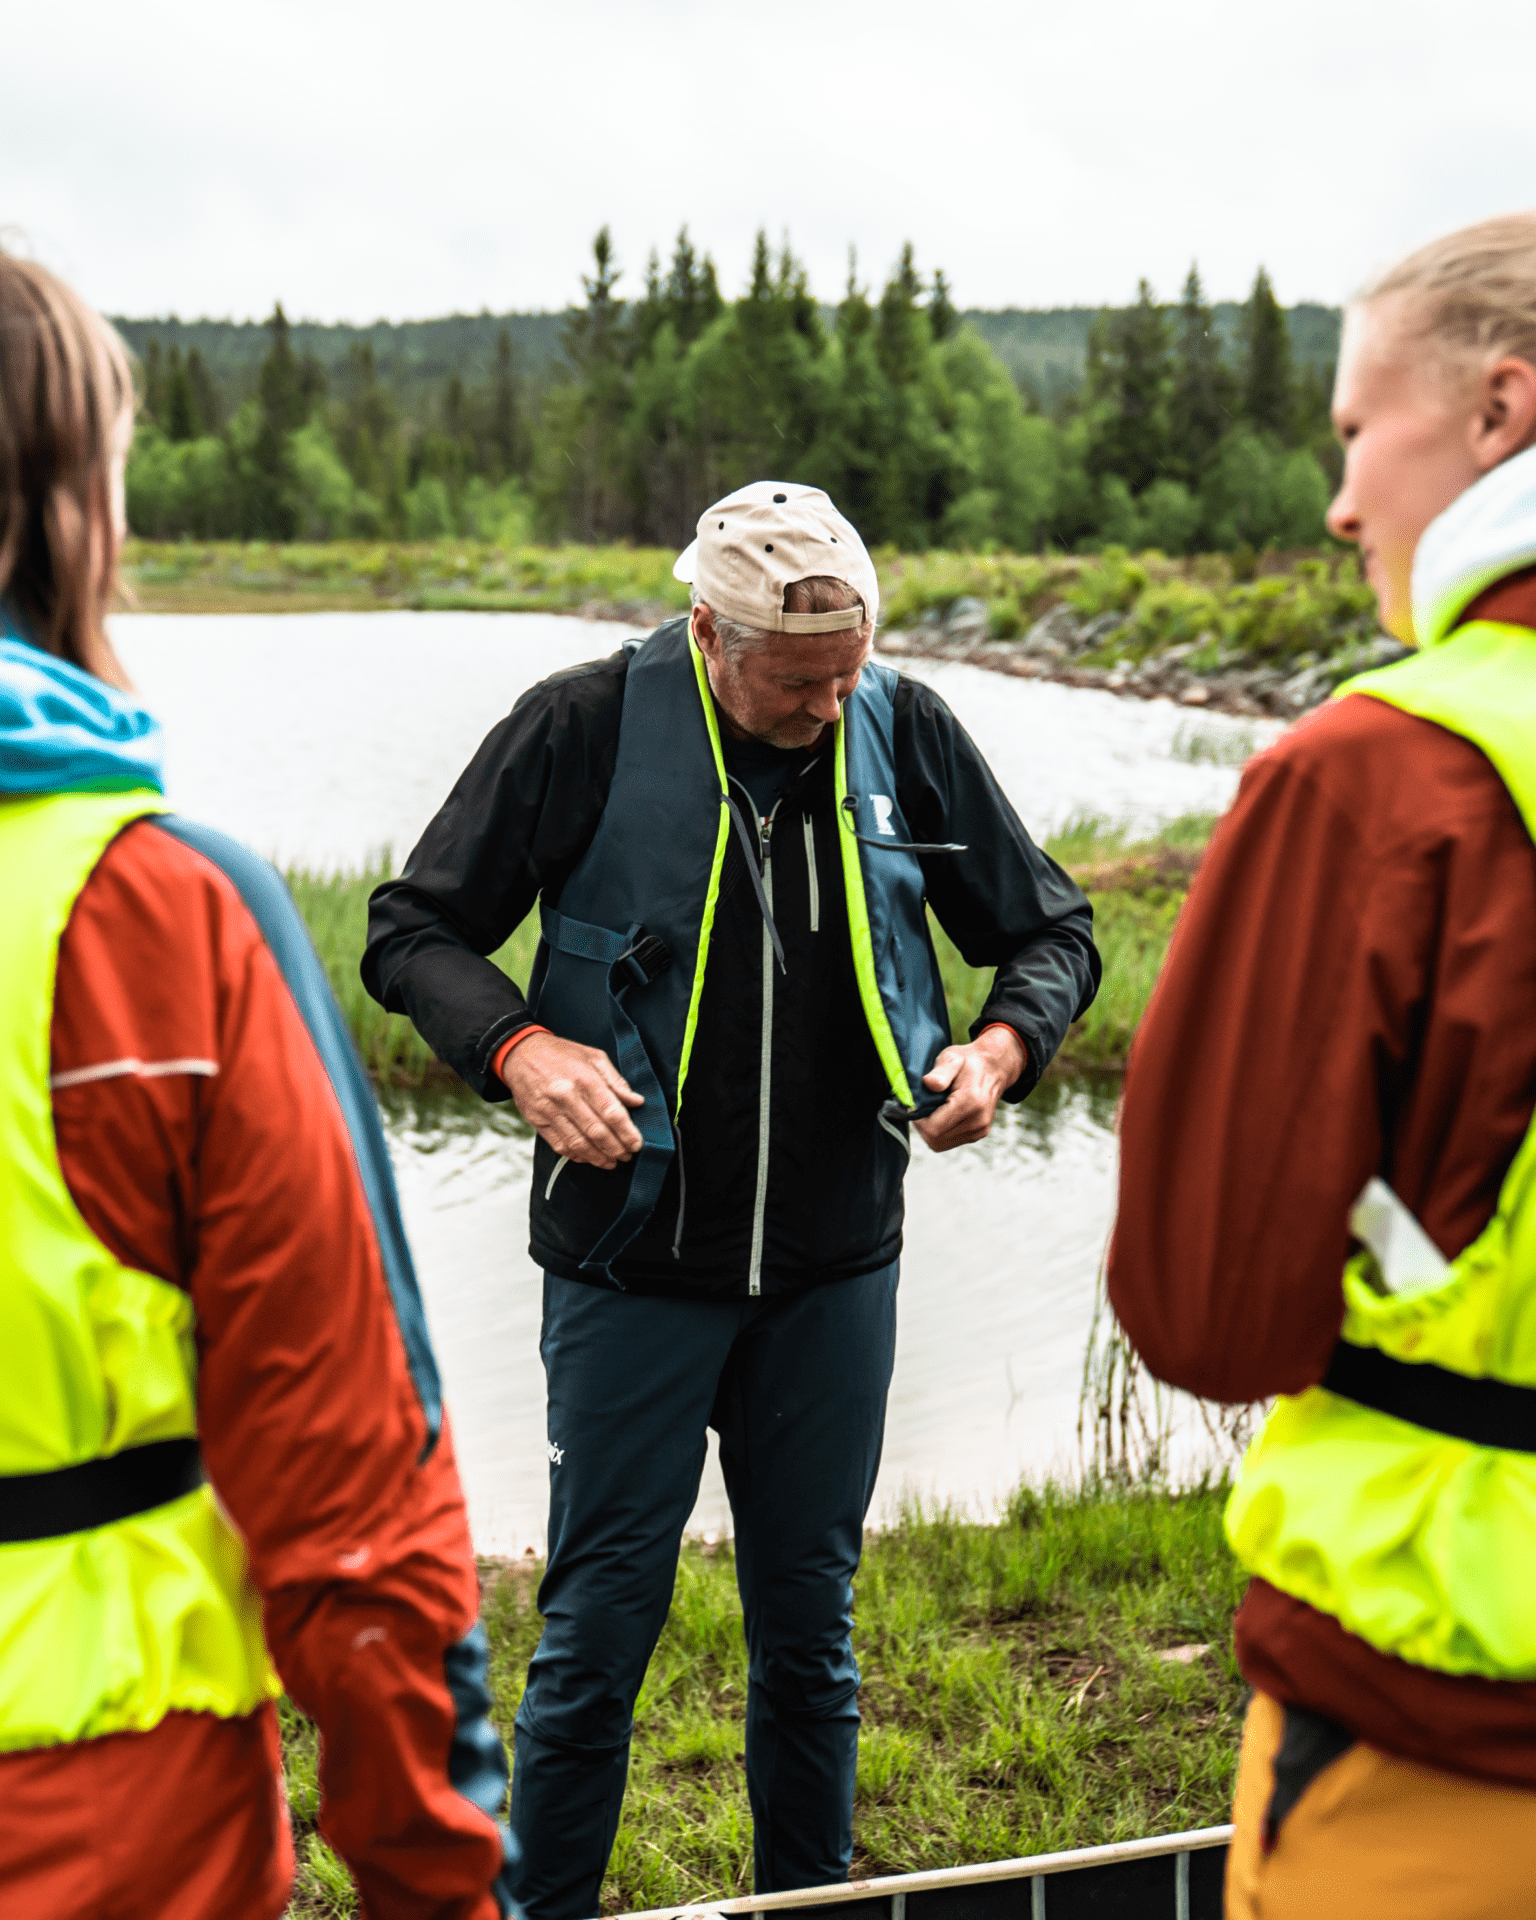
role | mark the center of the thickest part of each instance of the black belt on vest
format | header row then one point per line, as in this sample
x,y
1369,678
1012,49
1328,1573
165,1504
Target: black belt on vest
x,y
1488,1413
42,1506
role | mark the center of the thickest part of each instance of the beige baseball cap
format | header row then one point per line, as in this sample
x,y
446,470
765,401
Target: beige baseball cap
x,y
755,542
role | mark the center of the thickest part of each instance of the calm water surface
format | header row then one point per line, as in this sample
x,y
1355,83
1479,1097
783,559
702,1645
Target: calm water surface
x,y
321,738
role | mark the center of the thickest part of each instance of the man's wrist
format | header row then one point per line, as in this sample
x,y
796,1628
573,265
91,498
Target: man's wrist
x,y
1019,1051
499,1058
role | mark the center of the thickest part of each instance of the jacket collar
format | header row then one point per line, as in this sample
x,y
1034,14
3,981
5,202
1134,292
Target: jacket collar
x,y
1482,537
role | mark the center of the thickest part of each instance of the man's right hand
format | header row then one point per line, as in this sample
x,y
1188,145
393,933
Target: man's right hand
x,y
574,1098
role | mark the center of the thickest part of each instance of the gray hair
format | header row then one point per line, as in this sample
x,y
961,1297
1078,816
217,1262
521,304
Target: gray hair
x,y
818,593
735,639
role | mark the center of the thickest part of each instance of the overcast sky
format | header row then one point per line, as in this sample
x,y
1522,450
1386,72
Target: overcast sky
x,y
406,160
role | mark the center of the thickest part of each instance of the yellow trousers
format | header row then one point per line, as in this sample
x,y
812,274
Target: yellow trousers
x,y
1374,1838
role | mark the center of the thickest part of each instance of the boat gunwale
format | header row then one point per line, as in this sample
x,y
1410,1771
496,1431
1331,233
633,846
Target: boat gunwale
x,y
897,1885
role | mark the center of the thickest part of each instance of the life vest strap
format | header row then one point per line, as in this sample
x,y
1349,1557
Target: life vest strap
x,y
97,1493
632,960
1486,1413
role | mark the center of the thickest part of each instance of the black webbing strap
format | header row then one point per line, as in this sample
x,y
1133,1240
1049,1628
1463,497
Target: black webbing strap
x,y
755,875
42,1506
1488,1413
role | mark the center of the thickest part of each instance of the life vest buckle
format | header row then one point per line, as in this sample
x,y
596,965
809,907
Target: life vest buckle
x,y
646,960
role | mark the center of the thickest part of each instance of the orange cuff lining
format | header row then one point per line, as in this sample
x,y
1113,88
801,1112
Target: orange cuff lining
x,y
498,1059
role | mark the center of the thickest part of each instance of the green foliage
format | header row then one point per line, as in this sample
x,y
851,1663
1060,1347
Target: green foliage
x,y
1013,1699
1259,493
1268,400
898,406
1202,395
1127,396
1133,921
335,909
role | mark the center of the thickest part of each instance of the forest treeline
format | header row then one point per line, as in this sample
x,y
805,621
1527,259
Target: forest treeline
x,y
1182,434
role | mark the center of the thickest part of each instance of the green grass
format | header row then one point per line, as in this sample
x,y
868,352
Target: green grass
x,y
1136,889
226,575
335,908
1013,1702
1300,605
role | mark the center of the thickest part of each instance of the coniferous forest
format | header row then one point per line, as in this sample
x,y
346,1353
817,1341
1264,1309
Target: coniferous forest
x,y
1175,426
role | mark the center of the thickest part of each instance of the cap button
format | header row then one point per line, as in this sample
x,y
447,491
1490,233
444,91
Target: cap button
x,y
779,499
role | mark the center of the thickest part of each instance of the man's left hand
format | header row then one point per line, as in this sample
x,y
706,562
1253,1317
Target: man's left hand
x,y
976,1077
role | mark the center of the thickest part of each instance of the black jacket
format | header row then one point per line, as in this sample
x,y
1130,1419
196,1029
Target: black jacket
x,y
515,825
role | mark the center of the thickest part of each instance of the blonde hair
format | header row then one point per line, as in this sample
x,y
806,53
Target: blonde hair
x,y
65,391
1470,296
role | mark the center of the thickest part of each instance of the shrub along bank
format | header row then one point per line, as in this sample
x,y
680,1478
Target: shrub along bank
x,y
1062,1679
1259,634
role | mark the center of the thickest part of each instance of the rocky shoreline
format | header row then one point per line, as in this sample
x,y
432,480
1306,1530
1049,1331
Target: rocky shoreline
x,y
1066,648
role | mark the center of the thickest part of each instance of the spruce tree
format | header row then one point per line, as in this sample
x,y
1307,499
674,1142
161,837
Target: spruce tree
x,y
154,382
595,345
1268,387
650,311
692,292
272,507
180,411
506,437
205,400
1201,402
855,316
900,334
1129,378
942,317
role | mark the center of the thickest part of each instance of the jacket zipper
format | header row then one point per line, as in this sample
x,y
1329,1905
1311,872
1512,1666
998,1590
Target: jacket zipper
x,y
765,1070
810,868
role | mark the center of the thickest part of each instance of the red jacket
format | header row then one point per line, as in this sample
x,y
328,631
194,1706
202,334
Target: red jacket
x,y
1349,991
203,1142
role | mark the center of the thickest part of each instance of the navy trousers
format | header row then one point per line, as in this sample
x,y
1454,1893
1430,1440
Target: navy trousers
x,y
795,1385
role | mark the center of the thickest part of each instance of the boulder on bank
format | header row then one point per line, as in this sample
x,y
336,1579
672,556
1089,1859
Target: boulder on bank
x,y
1054,646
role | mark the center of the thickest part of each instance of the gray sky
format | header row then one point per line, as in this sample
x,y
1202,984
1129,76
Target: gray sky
x,y
406,160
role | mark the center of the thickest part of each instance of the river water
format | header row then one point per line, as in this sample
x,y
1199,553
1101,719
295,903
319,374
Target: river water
x,y
321,738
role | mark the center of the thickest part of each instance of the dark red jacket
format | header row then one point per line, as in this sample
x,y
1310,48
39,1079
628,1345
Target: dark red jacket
x,y
233,1176
1350,991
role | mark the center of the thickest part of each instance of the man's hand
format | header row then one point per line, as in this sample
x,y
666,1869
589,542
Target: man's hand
x,y
976,1076
574,1097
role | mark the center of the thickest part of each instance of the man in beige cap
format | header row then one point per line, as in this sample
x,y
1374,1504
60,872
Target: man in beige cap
x,y
734,830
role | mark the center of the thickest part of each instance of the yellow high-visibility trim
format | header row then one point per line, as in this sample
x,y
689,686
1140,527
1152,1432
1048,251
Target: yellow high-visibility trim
x,y
858,927
717,866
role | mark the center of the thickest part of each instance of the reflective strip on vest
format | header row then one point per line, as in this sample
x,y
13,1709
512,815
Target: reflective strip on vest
x,y
107,1630
1420,1541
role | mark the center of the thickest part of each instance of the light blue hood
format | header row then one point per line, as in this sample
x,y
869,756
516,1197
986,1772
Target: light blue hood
x,y
65,731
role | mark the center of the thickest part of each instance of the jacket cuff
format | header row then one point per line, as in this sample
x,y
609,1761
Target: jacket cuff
x,y
490,1085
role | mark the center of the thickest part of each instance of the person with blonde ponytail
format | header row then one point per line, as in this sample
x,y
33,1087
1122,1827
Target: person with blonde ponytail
x,y
225,1469
1328,1182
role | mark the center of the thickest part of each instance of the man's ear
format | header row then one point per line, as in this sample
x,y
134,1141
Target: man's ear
x,y
704,632
1506,418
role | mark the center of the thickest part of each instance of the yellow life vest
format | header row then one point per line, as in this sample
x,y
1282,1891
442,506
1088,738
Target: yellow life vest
x,y
1400,1496
104,1628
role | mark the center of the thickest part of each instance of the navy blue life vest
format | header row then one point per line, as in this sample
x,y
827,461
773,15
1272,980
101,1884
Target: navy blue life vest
x,y
622,960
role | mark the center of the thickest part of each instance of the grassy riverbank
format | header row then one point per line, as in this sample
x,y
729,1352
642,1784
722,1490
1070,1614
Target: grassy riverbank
x,y
1136,888
1268,608
1018,1696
